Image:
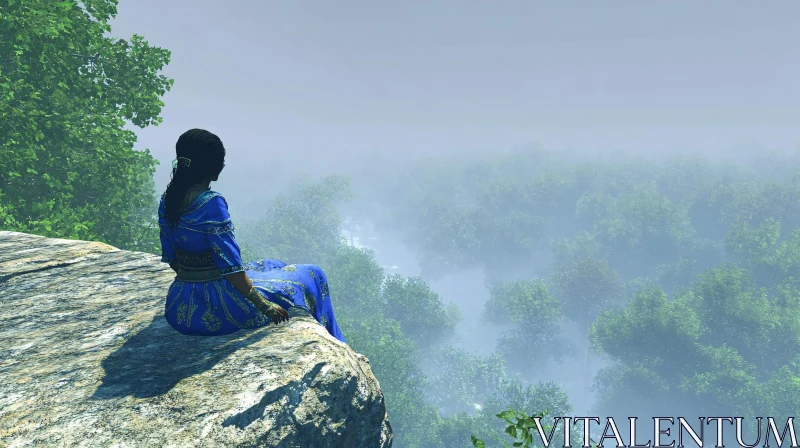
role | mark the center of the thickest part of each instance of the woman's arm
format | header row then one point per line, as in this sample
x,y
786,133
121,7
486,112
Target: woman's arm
x,y
240,281
227,257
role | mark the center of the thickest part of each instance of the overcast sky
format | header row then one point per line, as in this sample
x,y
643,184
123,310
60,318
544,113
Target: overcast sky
x,y
343,80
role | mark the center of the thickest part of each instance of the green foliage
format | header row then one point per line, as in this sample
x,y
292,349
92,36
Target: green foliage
x,y
470,389
691,354
419,309
502,214
526,429
774,198
472,213
391,320
770,255
301,227
635,222
357,279
462,382
459,430
585,288
520,427
67,90
304,225
705,254
395,361
535,316
633,333
583,245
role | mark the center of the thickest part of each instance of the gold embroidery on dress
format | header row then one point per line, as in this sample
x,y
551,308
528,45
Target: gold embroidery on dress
x,y
207,196
211,230
266,287
177,296
275,295
289,268
225,307
282,280
192,308
324,289
311,302
289,289
285,289
189,259
220,253
181,313
245,304
231,269
210,320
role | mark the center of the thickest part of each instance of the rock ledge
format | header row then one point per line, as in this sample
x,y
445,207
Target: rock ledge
x,y
87,360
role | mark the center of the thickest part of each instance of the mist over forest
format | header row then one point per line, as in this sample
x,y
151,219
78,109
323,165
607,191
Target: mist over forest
x,y
625,287
577,210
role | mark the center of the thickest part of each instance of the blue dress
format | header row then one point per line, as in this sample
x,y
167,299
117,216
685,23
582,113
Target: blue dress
x,y
203,239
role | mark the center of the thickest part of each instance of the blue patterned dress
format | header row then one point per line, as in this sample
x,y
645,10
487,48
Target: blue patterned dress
x,y
204,239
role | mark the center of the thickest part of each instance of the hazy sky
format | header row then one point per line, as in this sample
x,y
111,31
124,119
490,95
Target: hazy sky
x,y
337,80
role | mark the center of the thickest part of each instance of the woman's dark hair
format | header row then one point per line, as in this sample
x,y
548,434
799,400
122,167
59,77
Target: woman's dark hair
x,y
206,158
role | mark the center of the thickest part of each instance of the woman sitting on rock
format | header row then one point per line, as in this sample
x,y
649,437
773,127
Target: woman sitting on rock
x,y
214,292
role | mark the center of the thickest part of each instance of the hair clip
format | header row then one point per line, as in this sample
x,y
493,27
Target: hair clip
x,y
181,161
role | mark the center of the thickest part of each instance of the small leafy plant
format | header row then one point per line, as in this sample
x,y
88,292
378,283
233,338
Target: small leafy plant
x,y
521,428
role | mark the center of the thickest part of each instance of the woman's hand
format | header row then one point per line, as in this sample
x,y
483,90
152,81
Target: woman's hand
x,y
242,283
274,311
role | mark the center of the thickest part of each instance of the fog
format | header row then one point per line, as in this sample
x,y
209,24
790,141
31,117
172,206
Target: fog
x,y
300,90
336,83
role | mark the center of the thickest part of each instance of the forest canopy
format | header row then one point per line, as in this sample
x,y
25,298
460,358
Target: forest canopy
x,y
671,283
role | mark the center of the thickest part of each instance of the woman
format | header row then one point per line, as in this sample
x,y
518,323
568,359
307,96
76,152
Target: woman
x,y
214,292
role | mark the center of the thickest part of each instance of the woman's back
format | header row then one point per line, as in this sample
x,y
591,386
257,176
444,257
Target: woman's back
x,y
214,292
204,248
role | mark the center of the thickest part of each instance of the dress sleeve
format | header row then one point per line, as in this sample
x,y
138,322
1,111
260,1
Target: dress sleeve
x,y
225,251
167,251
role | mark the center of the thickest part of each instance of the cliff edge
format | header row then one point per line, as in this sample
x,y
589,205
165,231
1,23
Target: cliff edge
x,y
87,360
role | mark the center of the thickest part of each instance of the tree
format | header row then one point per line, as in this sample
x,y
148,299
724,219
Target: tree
x,y
771,257
640,228
356,277
585,288
535,316
717,347
515,407
420,311
302,226
67,90
394,359
462,382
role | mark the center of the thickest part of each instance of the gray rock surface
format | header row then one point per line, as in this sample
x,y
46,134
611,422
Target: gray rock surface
x,y
87,360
